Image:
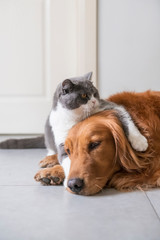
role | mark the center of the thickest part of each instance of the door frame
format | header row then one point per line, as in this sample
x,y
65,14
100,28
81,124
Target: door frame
x,y
87,37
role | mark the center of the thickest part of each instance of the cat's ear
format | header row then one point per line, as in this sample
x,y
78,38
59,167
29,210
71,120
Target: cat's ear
x,y
88,76
67,86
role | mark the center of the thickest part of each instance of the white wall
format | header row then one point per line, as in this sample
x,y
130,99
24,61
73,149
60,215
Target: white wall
x,y
129,45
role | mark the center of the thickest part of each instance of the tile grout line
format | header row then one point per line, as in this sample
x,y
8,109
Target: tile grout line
x,y
153,207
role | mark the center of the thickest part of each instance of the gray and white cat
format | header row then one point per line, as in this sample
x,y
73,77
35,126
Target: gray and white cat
x,y
74,100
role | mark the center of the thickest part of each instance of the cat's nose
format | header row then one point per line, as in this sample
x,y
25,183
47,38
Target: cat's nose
x,y
93,101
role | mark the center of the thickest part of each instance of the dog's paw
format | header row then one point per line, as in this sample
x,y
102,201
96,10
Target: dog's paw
x,y
50,176
139,143
49,161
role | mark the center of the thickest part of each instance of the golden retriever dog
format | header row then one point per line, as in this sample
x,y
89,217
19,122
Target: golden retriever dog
x,y
101,155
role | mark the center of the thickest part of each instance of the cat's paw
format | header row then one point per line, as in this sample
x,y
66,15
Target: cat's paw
x,y
139,142
49,161
50,176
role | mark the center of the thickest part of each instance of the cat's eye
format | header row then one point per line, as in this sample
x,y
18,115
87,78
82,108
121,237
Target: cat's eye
x,y
68,151
93,145
65,91
83,95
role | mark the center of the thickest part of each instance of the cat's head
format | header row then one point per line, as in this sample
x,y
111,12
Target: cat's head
x,y
76,92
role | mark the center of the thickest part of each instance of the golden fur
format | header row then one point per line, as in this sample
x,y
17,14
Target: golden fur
x,y
113,161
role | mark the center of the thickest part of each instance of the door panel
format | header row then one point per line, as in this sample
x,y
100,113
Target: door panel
x,y
35,38
21,48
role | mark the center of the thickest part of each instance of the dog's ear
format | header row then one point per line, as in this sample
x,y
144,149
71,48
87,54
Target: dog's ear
x,y
124,152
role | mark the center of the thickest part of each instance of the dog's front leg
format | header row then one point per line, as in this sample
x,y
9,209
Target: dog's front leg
x,y
50,176
49,161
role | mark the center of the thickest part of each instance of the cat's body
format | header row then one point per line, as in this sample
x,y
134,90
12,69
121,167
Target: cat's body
x,y
68,109
74,100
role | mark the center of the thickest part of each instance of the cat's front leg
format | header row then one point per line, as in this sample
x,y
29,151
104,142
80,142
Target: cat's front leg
x,y
137,140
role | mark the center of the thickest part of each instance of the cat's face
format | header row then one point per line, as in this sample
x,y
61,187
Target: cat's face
x,y
76,93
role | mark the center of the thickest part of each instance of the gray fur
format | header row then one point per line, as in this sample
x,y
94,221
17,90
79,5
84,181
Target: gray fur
x,y
74,87
73,100
120,112
49,137
25,143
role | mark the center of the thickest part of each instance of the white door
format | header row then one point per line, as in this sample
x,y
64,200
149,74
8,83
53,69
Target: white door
x,y
32,32
42,42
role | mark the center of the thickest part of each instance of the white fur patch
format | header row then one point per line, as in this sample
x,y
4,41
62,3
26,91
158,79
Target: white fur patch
x,y
137,140
91,107
66,163
62,119
50,152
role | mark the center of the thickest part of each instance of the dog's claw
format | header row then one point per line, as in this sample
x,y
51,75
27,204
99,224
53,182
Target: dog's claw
x,y
55,179
46,180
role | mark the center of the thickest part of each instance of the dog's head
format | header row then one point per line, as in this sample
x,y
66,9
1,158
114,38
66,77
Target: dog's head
x,y
97,148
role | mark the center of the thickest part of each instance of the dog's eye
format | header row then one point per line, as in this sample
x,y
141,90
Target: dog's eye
x,y
93,145
68,151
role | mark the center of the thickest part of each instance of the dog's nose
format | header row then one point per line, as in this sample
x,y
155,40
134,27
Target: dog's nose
x,y
75,184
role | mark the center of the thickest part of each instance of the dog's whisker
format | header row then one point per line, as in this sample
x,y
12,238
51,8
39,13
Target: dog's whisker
x,y
99,187
99,178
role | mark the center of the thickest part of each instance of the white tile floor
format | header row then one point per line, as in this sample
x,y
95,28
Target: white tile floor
x,y
29,211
